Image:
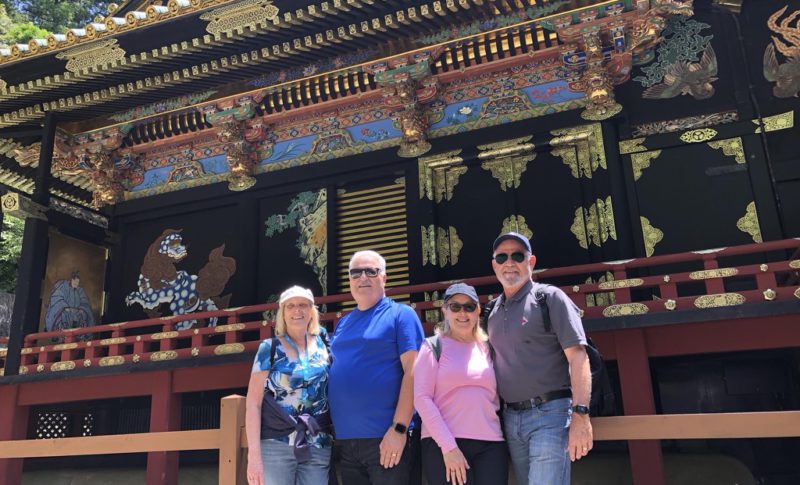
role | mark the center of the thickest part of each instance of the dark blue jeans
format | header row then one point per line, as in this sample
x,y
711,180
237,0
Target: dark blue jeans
x,y
361,464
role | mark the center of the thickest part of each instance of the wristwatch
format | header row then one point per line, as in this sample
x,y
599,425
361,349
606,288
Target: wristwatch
x,y
584,410
400,428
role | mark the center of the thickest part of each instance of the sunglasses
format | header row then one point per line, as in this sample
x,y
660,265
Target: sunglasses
x,y
517,257
456,307
355,273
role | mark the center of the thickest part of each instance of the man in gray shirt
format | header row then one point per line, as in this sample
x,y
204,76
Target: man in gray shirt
x,y
540,372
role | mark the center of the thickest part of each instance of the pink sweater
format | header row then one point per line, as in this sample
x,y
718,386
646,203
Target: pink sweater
x,y
456,397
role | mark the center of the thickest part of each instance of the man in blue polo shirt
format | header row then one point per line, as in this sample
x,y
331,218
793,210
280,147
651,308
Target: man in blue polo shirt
x,y
370,387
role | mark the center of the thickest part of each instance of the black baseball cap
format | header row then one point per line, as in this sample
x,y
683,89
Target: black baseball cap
x,y
515,236
463,289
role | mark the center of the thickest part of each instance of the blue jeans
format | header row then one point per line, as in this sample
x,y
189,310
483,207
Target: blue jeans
x,y
537,442
281,467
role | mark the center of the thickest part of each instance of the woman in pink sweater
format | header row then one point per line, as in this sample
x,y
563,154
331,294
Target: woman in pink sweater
x,y
455,394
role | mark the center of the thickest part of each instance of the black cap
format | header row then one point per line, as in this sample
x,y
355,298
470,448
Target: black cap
x,y
515,236
463,289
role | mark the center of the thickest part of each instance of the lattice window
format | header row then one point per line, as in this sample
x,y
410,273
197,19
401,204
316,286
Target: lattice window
x,y
52,425
87,428
373,218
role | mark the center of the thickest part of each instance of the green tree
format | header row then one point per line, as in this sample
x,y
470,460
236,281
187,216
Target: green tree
x,y
10,249
58,15
21,33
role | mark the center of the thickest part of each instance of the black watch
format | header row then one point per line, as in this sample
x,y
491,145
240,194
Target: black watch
x,y
400,428
584,410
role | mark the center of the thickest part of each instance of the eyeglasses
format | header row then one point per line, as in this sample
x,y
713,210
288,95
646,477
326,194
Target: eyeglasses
x,y
355,273
456,307
517,257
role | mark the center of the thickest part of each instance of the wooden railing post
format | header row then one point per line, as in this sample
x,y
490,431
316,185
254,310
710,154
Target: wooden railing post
x,y
232,461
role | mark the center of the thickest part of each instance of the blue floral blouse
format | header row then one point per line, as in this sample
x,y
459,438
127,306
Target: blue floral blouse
x,y
298,389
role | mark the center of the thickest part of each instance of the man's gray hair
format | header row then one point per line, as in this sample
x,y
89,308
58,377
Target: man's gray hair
x,y
370,253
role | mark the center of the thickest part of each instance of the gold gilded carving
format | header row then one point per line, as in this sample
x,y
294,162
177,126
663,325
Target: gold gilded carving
x,y
112,341
60,366
595,224
440,245
69,346
634,145
428,245
163,355
22,207
414,126
749,223
719,300
770,294
580,148
247,14
136,358
94,55
225,349
507,160
87,363
612,285
40,368
797,293
195,351
731,148
516,223
670,304
783,121
232,327
439,174
164,335
652,236
713,273
794,264
26,350
23,369
641,161
698,136
625,309
112,361
3,352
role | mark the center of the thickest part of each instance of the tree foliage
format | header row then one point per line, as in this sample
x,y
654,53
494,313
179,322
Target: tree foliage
x,y
10,249
23,20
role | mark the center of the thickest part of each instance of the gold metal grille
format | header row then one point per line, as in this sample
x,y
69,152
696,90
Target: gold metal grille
x,y
373,218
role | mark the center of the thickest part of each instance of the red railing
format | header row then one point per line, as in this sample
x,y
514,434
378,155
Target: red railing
x,y
733,276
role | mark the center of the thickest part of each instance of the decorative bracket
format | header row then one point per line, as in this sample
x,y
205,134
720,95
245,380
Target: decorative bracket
x,y
507,160
240,130
438,175
407,84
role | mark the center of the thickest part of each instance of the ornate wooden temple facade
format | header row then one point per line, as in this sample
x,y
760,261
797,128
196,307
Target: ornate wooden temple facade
x,y
180,163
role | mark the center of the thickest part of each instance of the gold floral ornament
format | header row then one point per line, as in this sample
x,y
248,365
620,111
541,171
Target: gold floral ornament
x,y
93,55
641,161
633,145
240,16
439,174
783,121
580,148
652,236
226,349
748,223
698,136
594,225
507,160
516,223
719,300
625,309
440,245
730,148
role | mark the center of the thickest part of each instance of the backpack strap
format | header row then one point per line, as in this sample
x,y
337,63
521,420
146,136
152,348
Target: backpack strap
x,y
435,343
541,299
272,349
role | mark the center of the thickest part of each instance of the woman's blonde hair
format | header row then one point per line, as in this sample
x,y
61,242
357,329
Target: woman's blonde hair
x,y
477,330
280,322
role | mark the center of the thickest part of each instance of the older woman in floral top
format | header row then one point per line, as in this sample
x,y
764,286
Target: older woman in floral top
x,y
287,418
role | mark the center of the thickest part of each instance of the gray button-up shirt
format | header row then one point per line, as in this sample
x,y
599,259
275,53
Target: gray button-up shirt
x,y
529,361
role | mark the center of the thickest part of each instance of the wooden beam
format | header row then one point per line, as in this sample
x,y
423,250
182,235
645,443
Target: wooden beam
x,y
776,424
207,439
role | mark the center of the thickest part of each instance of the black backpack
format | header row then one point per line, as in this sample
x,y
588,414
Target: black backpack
x,y
603,400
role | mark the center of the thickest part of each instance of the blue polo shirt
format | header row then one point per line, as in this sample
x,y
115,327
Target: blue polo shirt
x,y
364,380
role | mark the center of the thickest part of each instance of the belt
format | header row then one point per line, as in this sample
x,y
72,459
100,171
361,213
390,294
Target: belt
x,y
538,400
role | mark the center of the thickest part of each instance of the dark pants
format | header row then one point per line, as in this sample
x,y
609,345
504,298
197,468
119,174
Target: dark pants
x,y
361,464
488,461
